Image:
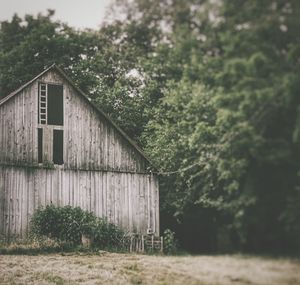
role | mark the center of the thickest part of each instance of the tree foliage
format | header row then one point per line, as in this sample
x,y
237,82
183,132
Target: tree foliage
x,y
232,130
210,89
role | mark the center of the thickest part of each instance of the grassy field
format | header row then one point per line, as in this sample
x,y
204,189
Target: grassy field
x,y
112,268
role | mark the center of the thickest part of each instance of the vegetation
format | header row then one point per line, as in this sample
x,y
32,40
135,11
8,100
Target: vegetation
x,y
210,89
112,268
34,246
170,243
68,225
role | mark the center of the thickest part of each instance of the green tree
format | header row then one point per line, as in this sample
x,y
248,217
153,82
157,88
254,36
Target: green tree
x,y
244,162
29,45
209,88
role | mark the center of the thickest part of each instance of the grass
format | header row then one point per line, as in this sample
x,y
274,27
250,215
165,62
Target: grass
x,y
116,268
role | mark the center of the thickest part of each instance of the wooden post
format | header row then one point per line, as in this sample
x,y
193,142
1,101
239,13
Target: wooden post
x,y
161,244
140,245
130,247
143,243
152,242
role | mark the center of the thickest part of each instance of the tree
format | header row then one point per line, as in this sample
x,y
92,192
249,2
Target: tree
x,y
210,89
100,62
28,46
243,163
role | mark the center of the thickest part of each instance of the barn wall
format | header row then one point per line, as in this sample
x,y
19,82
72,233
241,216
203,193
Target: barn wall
x,y
127,199
90,141
18,128
102,171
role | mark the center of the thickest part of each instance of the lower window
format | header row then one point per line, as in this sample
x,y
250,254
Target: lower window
x,y
58,146
40,145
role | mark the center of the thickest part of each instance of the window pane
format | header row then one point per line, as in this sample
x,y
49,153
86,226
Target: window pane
x,y
55,109
58,146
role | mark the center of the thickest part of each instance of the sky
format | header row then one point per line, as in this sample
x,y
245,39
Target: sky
x,y
77,13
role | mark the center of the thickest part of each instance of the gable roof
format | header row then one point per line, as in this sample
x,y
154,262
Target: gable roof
x,y
81,93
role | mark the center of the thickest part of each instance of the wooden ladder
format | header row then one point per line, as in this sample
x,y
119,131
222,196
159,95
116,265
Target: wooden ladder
x,y
43,104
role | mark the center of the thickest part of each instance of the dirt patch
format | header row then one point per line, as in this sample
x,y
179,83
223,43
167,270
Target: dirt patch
x,y
111,268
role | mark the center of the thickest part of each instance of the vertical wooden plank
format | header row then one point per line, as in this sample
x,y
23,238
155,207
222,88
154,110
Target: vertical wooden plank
x,y
101,144
23,203
43,188
122,216
157,205
19,203
109,197
99,197
30,197
130,204
152,223
125,215
117,198
104,194
2,197
148,204
7,204
64,188
11,202
89,182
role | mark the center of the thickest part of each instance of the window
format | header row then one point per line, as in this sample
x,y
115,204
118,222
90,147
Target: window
x,y
51,120
40,145
51,104
58,146
55,104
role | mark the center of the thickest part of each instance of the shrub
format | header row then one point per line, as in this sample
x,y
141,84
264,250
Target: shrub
x,y
68,224
61,223
108,235
170,243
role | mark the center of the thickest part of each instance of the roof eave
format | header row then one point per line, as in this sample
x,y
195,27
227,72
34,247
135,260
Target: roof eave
x,y
12,94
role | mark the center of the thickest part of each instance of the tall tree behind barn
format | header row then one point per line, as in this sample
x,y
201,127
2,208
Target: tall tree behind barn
x,y
57,147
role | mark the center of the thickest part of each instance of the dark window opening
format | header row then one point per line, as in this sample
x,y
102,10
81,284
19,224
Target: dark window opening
x,y
58,147
40,145
55,102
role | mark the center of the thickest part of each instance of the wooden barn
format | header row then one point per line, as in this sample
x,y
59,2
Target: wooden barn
x,y
57,147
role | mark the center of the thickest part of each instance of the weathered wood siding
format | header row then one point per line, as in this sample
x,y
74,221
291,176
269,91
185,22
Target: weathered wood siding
x,y
90,141
18,128
127,199
102,171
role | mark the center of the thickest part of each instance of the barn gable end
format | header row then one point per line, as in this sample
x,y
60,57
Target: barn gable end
x,y
91,139
100,169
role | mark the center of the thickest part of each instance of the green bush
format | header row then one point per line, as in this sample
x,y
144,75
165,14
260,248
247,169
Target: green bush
x,y
68,224
108,235
170,243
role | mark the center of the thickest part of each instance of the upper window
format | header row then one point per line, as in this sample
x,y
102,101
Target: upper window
x,y
51,104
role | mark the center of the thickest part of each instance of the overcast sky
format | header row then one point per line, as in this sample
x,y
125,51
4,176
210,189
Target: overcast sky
x,y
77,13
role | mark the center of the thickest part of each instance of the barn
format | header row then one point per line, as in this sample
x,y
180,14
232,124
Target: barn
x,y
57,147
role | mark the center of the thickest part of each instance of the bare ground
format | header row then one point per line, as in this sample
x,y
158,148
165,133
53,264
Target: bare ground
x,y
112,268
